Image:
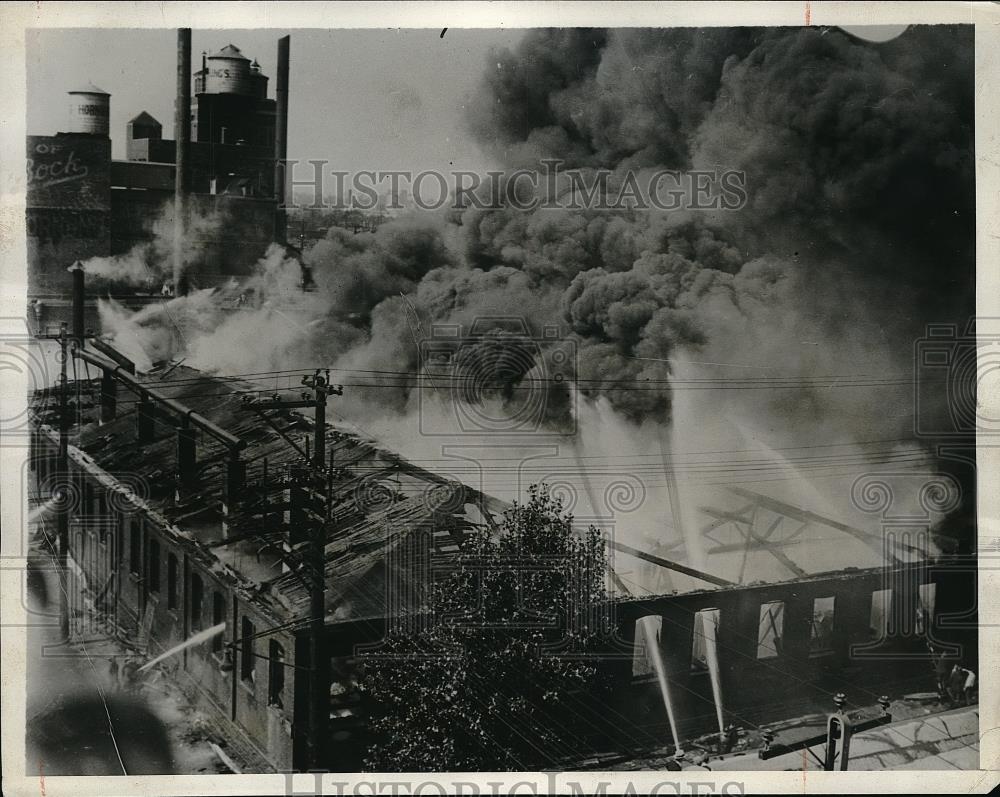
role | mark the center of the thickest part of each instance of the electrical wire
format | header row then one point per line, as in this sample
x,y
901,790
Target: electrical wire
x,y
819,462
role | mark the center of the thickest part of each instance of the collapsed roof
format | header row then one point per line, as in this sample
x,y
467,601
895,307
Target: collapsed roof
x,y
379,500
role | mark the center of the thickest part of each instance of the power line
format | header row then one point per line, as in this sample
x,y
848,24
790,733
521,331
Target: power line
x,y
460,370
470,375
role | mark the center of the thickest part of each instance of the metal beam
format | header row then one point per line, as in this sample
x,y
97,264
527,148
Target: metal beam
x,y
670,565
720,521
110,351
618,582
764,543
784,560
185,413
806,516
280,404
754,544
724,517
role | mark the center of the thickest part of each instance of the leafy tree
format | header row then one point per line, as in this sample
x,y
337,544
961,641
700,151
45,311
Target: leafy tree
x,y
492,681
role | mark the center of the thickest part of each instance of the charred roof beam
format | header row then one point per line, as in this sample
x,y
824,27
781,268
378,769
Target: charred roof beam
x,y
780,507
671,565
184,413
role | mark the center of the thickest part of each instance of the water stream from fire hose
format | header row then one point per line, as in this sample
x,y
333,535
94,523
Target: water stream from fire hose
x,y
712,658
195,639
650,632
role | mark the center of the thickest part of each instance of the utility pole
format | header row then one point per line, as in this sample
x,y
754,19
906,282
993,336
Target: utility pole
x,y
321,386
319,663
319,702
62,486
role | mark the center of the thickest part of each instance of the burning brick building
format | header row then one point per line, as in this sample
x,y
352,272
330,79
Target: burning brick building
x,y
195,501
191,507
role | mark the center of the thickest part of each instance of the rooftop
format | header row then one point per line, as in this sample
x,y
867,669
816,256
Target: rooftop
x,y
144,118
89,88
230,51
379,499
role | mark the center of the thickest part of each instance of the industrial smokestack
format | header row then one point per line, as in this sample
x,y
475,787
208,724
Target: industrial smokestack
x,y
78,296
182,133
281,141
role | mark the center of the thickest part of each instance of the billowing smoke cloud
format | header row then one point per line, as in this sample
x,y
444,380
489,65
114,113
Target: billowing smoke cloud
x,y
858,230
149,264
803,306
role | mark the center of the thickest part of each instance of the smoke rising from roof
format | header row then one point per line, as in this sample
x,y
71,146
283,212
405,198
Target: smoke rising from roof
x,y
858,230
789,323
149,263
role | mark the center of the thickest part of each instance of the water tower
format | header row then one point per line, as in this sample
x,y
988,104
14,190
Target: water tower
x,y
228,72
89,111
230,105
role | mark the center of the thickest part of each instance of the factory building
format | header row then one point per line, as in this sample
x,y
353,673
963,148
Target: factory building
x,y
232,125
172,532
164,548
81,203
189,507
185,503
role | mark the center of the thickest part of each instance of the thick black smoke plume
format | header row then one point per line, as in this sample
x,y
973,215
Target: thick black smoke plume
x,y
859,226
858,229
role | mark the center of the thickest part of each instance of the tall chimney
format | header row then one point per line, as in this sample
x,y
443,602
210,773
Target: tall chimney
x,y
182,171
78,304
281,141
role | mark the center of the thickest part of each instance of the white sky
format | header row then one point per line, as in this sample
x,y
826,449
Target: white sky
x,y
362,99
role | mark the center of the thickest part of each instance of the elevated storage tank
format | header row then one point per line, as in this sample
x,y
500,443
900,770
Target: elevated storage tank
x,y
89,111
228,72
259,81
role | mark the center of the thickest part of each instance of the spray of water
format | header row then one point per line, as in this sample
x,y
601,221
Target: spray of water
x,y
712,657
651,634
196,639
